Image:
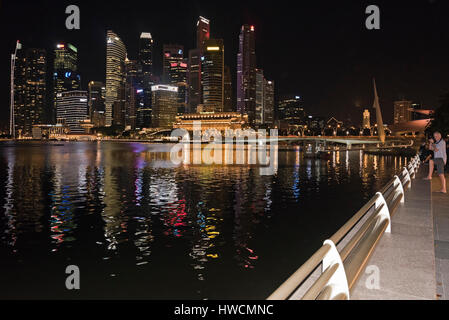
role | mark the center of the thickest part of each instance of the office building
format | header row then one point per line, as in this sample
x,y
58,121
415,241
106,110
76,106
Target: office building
x,y
268,103
212,75
291,109
165,106
402,111
29,90
246,73
65,71
115,73
96,103
228,101
71,109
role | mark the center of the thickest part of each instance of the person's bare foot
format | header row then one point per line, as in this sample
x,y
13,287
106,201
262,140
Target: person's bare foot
x,y
442,191
427,178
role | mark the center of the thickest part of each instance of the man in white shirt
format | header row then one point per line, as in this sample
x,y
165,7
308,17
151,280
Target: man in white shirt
x,y
440,158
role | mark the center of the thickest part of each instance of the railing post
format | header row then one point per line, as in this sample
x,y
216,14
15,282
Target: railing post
x,y
407,177
384,211
338,282
400,187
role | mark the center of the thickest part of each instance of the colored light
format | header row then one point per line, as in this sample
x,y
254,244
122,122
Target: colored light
x,y
213,48
183,65
59,46
252,28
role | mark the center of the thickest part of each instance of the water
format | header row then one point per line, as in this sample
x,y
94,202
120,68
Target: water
x,y
139,227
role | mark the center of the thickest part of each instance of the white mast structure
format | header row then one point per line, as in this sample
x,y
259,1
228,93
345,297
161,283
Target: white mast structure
x,y
12,123
380,123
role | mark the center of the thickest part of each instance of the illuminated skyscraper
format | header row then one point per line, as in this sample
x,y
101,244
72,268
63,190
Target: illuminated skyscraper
x,y
202,32
291,110
264,112
175,71
71,109
146,79
402,111
268,109
96,93
65,76
29,89
146,53
246,73
212,75
194,79
165,106
260,84
115,73
194,84
228,105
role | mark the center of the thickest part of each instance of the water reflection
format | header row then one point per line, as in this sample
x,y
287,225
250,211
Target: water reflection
x,y
127,212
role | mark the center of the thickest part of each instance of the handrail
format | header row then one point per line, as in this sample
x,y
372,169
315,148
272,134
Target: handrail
x,y
358,238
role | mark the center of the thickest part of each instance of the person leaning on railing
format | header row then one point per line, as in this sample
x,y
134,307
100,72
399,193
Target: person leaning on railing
x,y
440,158
427,156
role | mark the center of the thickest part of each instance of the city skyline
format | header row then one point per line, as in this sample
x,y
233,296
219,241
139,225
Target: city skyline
x,y
324,99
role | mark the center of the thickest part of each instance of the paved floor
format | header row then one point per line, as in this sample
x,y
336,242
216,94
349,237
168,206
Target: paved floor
x,y
405,258
440,208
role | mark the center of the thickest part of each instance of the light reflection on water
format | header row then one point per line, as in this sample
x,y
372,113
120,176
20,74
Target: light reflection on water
x,y
140,227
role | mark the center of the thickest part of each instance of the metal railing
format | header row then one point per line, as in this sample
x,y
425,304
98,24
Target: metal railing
x,y
344,255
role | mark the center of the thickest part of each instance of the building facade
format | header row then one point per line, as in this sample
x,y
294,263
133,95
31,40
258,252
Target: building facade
x,y
115,73
72,109
65,67
165,106
246,73
212,75
30,90
96,99
402,111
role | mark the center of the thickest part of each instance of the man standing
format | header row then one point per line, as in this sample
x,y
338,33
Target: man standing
x,y
440,158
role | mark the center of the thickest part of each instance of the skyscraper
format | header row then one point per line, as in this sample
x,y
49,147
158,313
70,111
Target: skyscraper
x,y
194,82
202,32
145,78
71,109
212,75
146,53
194,97
96,99
246,73
291,110
65,76
228,106
164,106
260,96
175,71
268,109
115,73
402,111
29,89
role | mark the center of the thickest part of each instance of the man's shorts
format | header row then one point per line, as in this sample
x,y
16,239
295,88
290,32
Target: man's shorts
x,y
439,164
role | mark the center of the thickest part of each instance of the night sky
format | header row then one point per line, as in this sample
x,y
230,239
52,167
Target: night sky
x,y
319,50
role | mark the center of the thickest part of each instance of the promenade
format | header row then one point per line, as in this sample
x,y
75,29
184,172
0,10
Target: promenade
x,y
412,260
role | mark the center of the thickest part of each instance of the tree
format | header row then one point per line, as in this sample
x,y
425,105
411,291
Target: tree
x,y
441,118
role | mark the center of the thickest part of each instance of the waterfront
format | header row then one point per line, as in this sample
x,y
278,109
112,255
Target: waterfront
x,y
140,227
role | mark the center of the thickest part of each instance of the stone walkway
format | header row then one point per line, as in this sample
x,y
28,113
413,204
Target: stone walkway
x,y
405,258
440,208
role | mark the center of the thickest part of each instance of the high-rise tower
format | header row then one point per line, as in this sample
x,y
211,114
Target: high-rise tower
x,y
246,73
212,75
115,73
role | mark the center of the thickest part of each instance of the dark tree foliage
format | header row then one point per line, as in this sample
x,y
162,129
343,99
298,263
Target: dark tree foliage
x,y
441,118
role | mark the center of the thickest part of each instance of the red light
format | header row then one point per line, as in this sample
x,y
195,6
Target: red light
x,y
173,64
252,28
